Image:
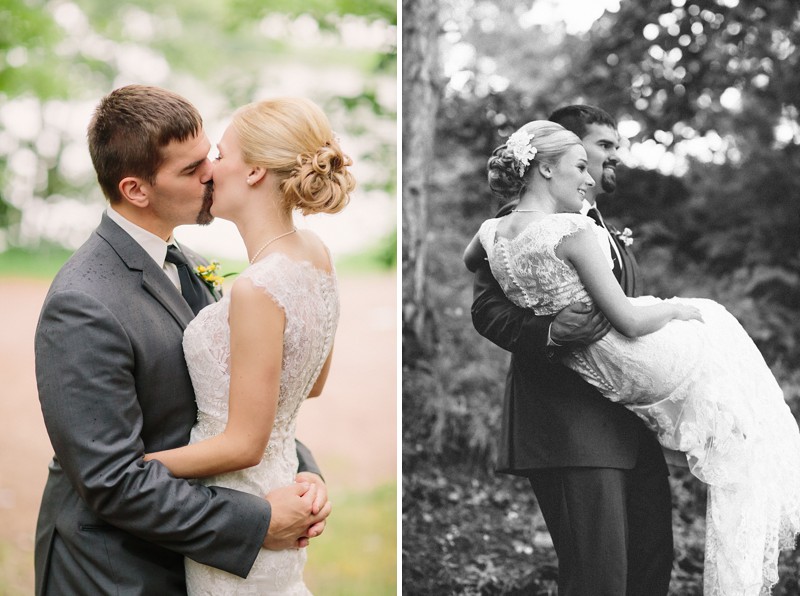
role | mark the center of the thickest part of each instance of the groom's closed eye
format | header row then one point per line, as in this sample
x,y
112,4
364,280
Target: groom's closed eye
x,y
192,167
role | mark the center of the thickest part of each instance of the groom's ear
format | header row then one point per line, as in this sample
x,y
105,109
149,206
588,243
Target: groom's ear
x,y
546,170
134,191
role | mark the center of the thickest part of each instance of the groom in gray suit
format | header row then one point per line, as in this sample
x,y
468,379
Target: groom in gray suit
x,y
113,384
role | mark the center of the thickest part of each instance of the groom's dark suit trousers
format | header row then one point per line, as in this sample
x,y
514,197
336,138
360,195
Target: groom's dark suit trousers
x,y
594,515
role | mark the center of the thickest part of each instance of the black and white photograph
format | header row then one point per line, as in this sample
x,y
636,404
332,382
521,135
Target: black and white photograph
x,y
600,383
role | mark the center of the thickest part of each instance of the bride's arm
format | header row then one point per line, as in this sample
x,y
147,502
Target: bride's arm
x,y
582,250
257,325
474,254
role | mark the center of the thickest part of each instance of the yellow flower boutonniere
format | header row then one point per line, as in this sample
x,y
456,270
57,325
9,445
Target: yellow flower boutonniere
x,y
211,275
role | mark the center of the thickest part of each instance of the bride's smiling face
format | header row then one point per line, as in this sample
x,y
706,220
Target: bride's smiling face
x,y
570,180
230,176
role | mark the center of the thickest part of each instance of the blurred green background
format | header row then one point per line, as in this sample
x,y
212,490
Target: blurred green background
x,y
57,59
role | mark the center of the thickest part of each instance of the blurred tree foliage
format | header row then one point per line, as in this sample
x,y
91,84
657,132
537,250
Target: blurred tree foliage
x,y
27,37
77,51
24,68
726,71
712,86
325,11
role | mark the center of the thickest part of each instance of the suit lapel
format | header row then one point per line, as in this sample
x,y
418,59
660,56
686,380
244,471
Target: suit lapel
x,y
159,285
154,280
194,259
629,265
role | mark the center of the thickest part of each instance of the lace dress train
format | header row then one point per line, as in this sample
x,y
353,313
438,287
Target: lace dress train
x,y
702,387
309,299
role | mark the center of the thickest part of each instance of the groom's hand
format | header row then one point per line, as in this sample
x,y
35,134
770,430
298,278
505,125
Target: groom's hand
x,y
319,502
322,489
292,515
579,323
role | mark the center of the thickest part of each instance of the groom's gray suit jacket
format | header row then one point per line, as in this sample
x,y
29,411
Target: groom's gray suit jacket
x,y
113,385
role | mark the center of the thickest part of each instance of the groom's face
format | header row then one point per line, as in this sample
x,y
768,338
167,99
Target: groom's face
x,y
182,191
601,142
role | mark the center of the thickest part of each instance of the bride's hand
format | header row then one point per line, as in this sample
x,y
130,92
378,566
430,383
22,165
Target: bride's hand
x,y
684,312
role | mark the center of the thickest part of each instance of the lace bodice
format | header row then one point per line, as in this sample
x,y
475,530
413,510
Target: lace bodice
x,y
309,299
527,268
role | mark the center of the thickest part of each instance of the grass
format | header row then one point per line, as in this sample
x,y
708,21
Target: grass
x,y
16,570
45,262
356,556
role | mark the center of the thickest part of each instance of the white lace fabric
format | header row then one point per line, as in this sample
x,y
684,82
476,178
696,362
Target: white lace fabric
x,y
309,298
702,387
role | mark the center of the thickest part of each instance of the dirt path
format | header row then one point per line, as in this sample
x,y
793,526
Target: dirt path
x,y
351,428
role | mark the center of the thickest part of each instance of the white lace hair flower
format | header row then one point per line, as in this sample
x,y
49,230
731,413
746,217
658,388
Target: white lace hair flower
x,y
521,149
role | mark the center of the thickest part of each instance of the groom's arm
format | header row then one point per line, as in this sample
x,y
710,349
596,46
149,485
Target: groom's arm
x,y
85,367
495,317
520,331
305,460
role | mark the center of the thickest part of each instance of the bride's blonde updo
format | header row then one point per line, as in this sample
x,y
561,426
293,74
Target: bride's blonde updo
x,y
292,137
508,174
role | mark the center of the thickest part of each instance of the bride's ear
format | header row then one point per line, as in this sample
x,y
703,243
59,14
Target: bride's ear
x,y
546,170
255,175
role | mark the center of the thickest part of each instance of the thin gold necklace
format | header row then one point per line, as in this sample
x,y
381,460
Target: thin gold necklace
x,y
268,242
529,211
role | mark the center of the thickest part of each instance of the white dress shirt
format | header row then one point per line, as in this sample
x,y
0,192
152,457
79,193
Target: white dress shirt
x,y
607,243
152,244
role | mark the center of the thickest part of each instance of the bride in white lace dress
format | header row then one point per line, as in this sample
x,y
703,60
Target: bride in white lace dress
x,y
685,366
255,355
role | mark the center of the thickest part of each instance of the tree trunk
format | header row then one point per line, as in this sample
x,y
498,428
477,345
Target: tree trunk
x,y
420,104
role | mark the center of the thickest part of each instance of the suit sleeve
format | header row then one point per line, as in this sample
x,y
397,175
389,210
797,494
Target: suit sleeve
x,y
495,317
85,369
305,460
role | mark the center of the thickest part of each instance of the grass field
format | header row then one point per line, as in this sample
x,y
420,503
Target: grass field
x,y
354,557
45,262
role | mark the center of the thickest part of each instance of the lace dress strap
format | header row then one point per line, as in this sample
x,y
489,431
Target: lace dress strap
x,y
284,278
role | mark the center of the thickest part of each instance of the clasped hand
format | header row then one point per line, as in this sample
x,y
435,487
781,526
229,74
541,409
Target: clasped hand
x,y
299,512
579,323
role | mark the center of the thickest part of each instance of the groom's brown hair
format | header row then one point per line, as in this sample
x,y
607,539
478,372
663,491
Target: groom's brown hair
x,y
130,127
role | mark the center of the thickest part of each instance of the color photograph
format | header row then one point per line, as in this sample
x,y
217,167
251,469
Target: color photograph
x,y
198,406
